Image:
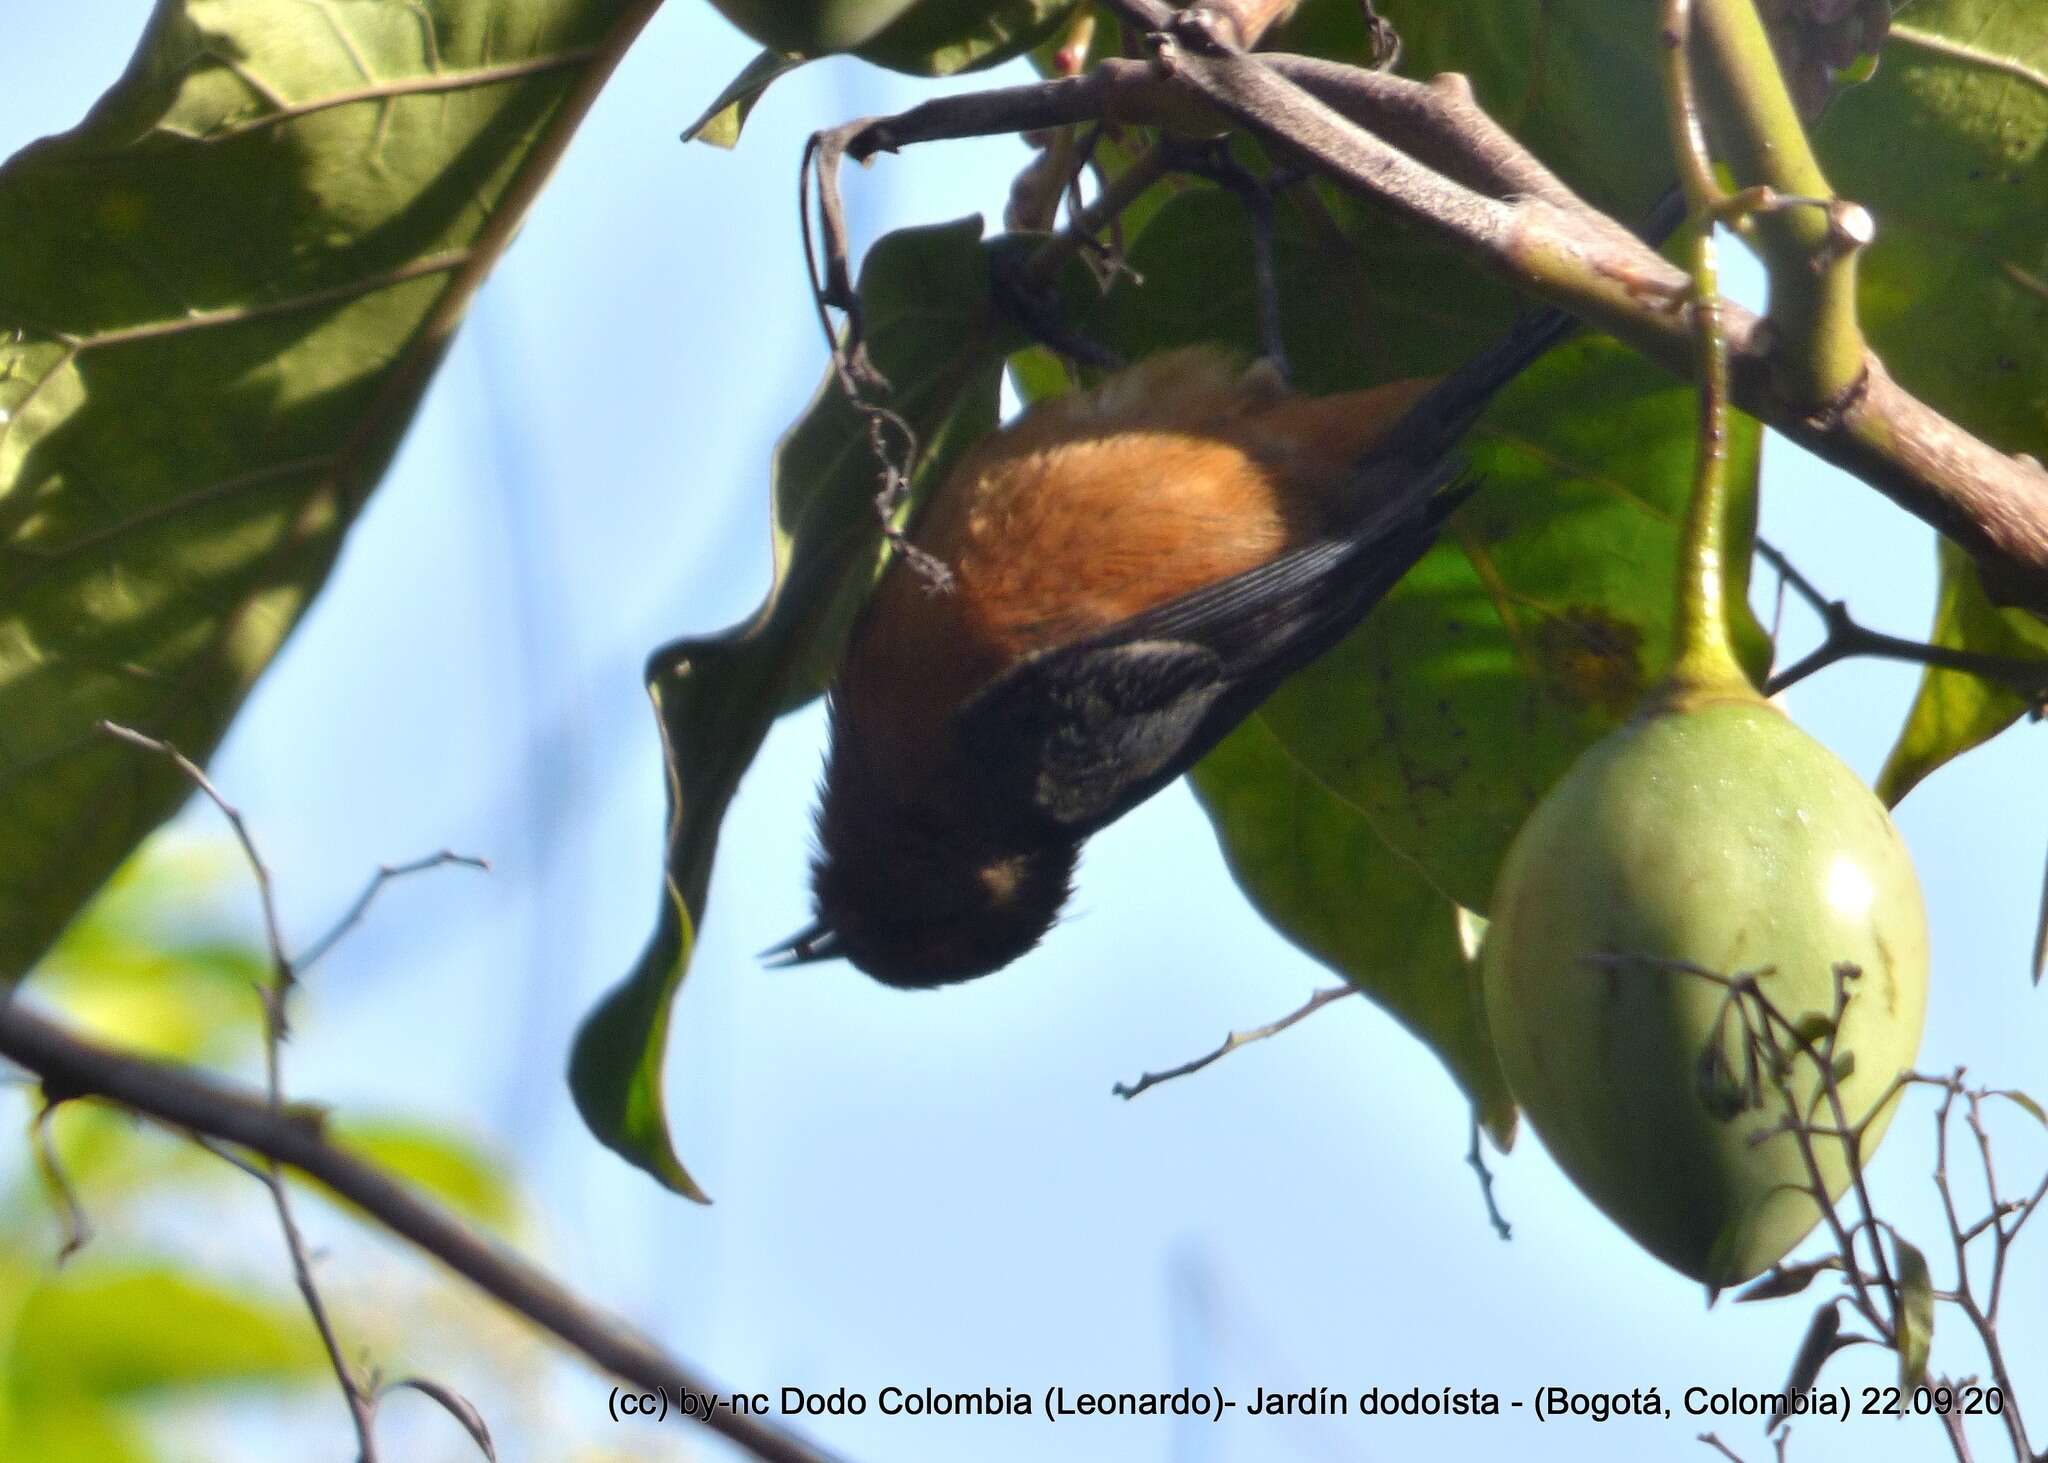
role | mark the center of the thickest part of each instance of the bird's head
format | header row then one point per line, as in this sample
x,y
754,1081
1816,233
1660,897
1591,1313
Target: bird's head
x,y
924,893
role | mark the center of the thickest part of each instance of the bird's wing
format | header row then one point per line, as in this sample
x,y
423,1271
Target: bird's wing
x,y
1083,732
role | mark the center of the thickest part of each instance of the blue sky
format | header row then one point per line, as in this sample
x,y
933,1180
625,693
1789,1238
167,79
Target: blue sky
x,y
939,1189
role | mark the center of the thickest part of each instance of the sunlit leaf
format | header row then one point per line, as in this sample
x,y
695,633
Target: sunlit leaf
x,y
2023,1102
224,294
1314,867
1915,1320
722,120
1954,710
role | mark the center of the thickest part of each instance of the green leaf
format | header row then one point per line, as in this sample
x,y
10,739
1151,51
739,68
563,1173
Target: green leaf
x,y
224,294
1576,82
1955,711
2023,1102
945,37
925,296
722,120
431,1158
1313,866
139,967
1526,635
1948,148
126,1329
1915,1319
1820,1342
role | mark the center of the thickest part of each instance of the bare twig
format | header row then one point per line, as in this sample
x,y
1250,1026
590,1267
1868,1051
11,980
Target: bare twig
x,y
362,1405
1477,1159
1235,1040
1846,637
77,1226
1256,194
2041,933
311,955
454,1404
187,1101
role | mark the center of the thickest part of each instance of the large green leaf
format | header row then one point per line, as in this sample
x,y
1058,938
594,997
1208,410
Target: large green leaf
x,y
1948,147
943,37
1532,630
925,297
1953,711
224,293
1576,81
1315,868
1950,153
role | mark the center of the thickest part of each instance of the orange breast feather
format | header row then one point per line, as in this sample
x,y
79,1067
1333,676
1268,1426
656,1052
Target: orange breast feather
x,y
1090,508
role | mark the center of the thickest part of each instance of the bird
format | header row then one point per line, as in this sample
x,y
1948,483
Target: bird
x,y
1131,570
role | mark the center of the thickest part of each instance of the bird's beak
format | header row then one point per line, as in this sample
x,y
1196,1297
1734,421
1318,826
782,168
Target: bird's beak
x,y
813,943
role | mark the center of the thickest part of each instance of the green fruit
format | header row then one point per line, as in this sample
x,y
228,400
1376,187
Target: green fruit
x,y
812,27
1717,834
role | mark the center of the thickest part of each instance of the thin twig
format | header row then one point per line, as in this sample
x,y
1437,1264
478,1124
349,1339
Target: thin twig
x,y
386,873
1846,637
454,1404
362,1405
77,1225
1477,1159
1236,1039
1117,194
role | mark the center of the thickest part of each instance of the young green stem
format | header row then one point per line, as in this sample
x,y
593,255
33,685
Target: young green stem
x,y
1703,657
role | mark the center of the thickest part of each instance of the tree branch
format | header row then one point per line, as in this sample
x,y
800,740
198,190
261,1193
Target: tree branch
x,y
1847,637
1819,346
1495,204
71,1067
1234,1040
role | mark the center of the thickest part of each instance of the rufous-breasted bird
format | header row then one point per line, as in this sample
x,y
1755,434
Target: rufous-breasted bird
x,y
1135,567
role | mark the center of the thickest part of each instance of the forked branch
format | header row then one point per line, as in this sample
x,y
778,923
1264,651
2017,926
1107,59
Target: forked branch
x,y
1427,152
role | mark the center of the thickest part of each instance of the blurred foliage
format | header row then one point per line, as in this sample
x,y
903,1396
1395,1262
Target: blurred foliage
x,y
142,1342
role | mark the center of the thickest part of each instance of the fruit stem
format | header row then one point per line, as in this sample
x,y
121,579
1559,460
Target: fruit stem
x,y
1703,654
